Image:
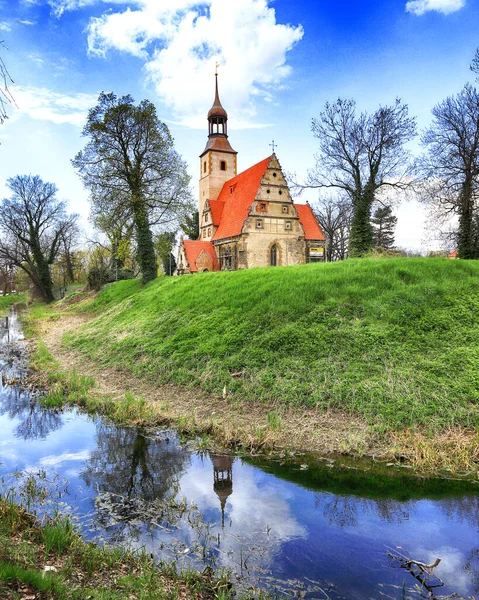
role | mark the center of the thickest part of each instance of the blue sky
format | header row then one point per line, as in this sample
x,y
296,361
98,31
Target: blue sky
x,y
280,62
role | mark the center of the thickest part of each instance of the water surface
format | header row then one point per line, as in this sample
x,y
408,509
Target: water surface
x,y
322,532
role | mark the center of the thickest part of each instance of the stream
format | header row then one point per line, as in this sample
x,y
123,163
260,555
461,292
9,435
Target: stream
x,y
296,527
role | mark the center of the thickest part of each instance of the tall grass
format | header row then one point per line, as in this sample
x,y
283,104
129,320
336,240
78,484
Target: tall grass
x,y
7,301
392,340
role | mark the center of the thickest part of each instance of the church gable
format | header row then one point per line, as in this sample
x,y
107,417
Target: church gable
x,y
196,256
204,262
273,210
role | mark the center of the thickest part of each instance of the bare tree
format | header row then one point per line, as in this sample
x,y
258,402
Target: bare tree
x,y
6,97
7,276
334,217
32,224
475,64
362,154
69,242
450,168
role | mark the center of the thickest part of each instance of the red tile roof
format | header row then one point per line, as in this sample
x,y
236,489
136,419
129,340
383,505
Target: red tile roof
x,y
216,210
453,254
312,230
193,249
238,195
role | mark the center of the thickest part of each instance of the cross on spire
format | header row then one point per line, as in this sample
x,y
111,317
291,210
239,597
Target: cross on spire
x,y
273,145
217,65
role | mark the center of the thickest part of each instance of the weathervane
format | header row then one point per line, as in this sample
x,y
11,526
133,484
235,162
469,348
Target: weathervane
x,y
273,145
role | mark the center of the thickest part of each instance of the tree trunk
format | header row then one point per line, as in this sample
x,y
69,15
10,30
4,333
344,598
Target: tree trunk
x,y
44,284
466,224
144,240
361,240
69,267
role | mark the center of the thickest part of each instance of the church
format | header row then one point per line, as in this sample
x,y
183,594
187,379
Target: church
x,y
249,219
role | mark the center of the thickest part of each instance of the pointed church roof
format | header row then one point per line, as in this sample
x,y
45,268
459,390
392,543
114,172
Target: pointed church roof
x,y
216,207
238,194
217,109
312,230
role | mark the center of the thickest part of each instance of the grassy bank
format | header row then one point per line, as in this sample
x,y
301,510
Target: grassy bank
x,y
7,301
392,340
386,348
52,561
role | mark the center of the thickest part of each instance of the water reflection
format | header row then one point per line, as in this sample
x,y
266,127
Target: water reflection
x,y
125,462
346,510
222,479
157,493
34,422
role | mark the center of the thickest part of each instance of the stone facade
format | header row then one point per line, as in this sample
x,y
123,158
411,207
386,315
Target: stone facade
x,y
246,220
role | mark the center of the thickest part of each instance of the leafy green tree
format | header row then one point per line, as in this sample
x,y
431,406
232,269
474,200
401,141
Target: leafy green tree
x,y
450,167
130,161
164,247
384,224
33,224
362,154
191,225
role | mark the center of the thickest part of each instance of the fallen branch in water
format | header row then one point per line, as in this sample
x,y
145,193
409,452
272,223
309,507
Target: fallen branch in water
x,y
422,572
423,566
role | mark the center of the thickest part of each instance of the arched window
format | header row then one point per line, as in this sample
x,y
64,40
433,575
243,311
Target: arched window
x,y
273,256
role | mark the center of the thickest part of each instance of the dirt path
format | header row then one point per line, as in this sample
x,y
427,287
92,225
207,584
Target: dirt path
x,y
230,422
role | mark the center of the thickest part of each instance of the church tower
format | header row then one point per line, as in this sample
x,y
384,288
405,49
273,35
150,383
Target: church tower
x,y
218,160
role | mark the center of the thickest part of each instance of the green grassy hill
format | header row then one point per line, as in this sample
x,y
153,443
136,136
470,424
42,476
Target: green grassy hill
x,y
393,340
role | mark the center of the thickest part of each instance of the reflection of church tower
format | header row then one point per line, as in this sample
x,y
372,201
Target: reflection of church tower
x,y
223,479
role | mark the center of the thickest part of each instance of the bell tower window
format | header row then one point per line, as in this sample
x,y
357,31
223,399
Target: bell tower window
x,y
223,165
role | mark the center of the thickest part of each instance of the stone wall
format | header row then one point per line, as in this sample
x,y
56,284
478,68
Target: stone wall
x,y
212,178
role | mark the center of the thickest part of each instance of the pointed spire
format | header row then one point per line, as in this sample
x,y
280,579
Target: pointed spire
x,y
217,109
218,125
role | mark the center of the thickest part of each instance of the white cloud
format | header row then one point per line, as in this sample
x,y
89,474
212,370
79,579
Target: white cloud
x,y
36,58
44,105
419,7
181,41
60,6
28,22
56,459
4,26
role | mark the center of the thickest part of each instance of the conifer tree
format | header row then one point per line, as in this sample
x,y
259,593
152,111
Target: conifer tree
x,y
191,225
384,223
